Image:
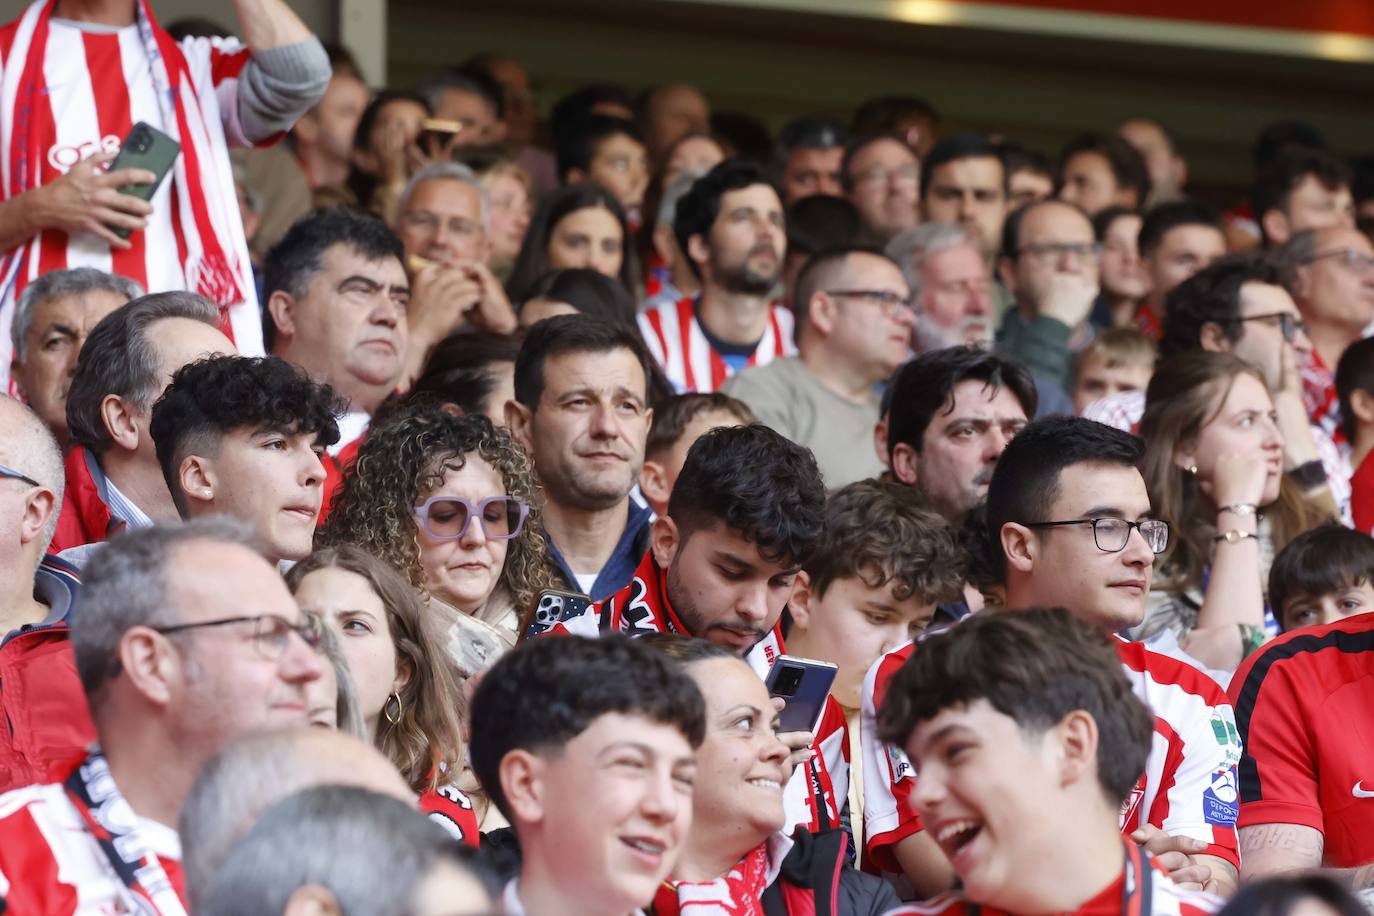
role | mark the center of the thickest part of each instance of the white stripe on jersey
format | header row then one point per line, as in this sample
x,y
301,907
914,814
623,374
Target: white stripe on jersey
x,y
74,114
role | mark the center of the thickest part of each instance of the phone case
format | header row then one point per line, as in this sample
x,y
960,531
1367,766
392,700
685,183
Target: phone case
x,y
145,148
549,607
804,707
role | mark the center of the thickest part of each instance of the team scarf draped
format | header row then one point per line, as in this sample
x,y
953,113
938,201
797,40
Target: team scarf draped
x,y
205,213
92,791
738,892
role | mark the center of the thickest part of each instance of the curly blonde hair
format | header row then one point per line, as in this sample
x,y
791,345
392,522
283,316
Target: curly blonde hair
x,y
403,460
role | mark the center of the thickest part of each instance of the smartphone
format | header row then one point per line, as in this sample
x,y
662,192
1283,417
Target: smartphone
x,y
804,683
145,148
435,132
548,608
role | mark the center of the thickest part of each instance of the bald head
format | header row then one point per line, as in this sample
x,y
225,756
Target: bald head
x,y
29,448
251,775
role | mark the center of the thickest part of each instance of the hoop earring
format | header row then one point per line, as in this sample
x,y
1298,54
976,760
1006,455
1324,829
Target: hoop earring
x,y
393,718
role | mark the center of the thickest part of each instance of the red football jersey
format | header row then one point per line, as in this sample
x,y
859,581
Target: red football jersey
x,y
1305,710
1189,785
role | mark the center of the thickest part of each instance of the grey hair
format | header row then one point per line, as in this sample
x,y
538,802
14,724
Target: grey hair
x,y
243,780
118,359
447,171
348,716
910,248
667,207
1296,252
29,447
56,285
125,585
335,837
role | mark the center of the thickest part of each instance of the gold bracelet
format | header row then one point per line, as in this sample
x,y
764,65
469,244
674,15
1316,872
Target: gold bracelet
x,y
1235,536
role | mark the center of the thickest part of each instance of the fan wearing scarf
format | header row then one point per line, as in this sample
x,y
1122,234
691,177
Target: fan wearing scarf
x,y
587,747
745,515
75,76
738,860
174,667
1028,738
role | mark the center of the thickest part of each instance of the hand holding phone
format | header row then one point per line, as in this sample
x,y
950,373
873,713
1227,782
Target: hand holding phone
x,y
803,684
548,608
149,149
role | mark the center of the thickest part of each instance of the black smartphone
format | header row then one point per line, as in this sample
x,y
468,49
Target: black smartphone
x,y
804,683
548,608
145,148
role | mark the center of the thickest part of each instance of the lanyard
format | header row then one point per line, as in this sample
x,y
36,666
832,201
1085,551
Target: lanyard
x,y
92,791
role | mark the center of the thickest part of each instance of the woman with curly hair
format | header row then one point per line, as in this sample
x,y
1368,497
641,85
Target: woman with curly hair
x,y
410,701
451,503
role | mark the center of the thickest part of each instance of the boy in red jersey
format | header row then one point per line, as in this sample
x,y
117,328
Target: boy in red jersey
x,y
1068,523
1029,738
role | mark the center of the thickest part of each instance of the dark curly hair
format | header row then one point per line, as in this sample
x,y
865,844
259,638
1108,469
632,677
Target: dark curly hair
x,y
211,397
546,692
1036,666
401,461
758,484
1212,296
882,534
699,207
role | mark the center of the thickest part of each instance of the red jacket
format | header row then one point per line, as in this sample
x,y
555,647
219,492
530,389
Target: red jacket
x,y
45,718
85,518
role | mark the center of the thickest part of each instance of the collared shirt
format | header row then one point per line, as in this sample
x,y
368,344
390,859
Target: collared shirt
x,y
620,566
123,508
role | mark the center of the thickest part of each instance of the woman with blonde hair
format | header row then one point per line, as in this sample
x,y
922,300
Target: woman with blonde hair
x,y
1214,467
411,703
451,503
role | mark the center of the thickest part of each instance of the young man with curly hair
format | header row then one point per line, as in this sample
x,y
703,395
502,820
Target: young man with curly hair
x,y
884,564
243,436
744,518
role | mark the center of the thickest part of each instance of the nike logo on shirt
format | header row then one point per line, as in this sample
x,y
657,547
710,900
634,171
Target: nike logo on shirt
x,y
1361,793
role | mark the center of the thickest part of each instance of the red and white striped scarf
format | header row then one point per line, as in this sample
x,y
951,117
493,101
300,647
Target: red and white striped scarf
x,y
211,250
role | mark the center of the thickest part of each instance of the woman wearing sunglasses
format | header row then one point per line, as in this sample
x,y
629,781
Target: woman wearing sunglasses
x,y
450,503
1214,466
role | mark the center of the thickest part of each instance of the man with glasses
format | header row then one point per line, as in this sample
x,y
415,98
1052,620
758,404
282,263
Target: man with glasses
x,y
1333,286
242,436
185,639
1239,304
1069,523
882,178
581,411
730,228
40,697
855,319
1049,262
444,218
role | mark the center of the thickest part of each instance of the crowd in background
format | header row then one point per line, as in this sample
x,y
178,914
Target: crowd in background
x,y
413,505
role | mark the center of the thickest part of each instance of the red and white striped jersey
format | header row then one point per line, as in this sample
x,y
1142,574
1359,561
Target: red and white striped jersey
x,y
51,864
93,86
674,336
1126,896
1189,787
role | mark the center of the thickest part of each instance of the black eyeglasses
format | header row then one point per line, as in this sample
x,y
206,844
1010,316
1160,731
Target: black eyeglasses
x,y
16,475
446,518
887,300
1111,534
271,633
1356,260
1289,324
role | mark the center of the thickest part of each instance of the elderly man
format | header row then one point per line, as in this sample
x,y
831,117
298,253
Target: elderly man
x,y
40,696
172,621
52,319
443,219
115,68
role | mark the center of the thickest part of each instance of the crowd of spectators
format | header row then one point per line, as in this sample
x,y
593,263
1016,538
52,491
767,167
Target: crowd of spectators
x,y
420,508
